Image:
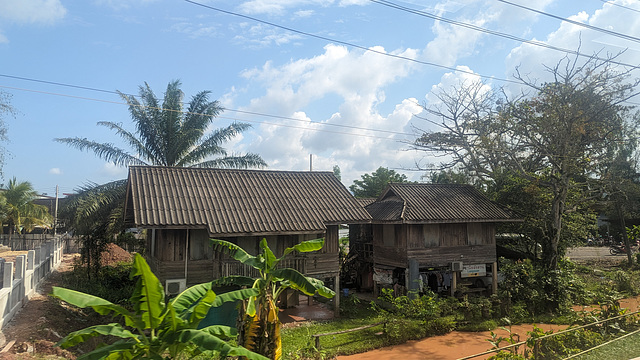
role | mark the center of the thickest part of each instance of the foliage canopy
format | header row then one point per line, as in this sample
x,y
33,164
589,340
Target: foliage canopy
x,y
372,185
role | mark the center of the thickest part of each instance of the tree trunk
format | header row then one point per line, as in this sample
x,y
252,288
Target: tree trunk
x,y
262,331
560,192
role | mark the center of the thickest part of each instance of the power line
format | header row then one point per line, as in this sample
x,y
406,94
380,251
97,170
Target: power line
x,y
577,23
493,32
618,5
226,109
227,117
354,45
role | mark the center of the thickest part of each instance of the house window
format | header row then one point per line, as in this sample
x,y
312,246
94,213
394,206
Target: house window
x,y
199,245
388,235
431,234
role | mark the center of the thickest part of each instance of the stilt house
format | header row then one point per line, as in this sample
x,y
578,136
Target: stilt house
x,y
182,208
430,235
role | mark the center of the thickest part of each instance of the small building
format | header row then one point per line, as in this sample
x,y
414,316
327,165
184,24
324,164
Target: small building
x,y
182,208
430,236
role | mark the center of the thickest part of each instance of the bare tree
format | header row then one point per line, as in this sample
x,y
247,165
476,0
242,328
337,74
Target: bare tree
x,y
560,135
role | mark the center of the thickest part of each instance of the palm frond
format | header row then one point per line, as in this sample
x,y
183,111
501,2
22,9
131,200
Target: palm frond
x,y
130,138
235,162
104,151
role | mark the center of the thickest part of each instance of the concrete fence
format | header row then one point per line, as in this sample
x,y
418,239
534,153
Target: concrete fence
x,y
24,242
20,280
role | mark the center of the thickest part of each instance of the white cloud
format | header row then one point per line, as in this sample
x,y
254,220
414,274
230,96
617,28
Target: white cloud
x,y
452,80
55,171
277,7
32,11
340,87
261,36
123,4
303,13
573,37
453,42
196,30
111,170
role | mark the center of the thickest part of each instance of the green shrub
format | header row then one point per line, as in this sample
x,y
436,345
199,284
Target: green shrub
x,y
439,326
540,289
112,283
352,307
409,307
623,282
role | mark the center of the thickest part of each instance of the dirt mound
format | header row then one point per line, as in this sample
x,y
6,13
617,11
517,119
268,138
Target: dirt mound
x,y
40,349
113,255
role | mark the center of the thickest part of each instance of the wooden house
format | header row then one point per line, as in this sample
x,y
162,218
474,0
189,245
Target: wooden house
x,y
423,233
182,208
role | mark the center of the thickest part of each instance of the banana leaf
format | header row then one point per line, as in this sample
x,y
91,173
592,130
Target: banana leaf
x,y
80,336
148,295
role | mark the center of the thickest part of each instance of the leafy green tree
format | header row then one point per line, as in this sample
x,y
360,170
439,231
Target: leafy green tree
x,y
529,198
450,176
336,172
19,211
373,185
621,185
560,136
260,330
156,329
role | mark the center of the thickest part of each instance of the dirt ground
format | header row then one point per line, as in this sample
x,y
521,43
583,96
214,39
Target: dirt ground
x,y
35,329
32,333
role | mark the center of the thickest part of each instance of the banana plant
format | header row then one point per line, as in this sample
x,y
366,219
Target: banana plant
x,y
156,329
260,326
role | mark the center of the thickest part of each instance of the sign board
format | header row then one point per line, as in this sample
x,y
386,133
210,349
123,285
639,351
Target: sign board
x,y
473,270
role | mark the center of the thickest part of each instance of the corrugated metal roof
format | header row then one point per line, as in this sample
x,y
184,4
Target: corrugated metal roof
x,y
365,201
436,203
232,202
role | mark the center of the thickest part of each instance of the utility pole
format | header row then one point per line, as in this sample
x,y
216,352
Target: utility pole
x,y
55,214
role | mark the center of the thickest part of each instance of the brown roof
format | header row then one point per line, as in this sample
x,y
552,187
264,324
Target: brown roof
x,y
365,201
436,203
238,202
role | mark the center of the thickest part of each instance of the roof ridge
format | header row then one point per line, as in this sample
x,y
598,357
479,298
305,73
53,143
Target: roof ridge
x,y
193,168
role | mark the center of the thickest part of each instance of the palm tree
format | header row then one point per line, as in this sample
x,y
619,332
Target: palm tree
x,y
168,135
19,211
95,213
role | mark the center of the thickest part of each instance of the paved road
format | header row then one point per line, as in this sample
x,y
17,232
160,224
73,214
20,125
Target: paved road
x,y
592,253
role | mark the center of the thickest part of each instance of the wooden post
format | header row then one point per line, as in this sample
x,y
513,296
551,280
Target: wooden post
x,y
413,276
454,282
337,297
494,282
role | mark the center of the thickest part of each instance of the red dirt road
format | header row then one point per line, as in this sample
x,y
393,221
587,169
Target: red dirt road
x,y
446,347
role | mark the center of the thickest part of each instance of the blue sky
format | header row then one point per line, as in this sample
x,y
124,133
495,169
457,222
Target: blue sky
x,y
346,106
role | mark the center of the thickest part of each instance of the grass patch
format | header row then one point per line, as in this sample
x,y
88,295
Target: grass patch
x,y
299,343
621,349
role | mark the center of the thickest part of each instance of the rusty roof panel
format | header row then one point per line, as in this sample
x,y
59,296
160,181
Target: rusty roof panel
x,y
230,201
